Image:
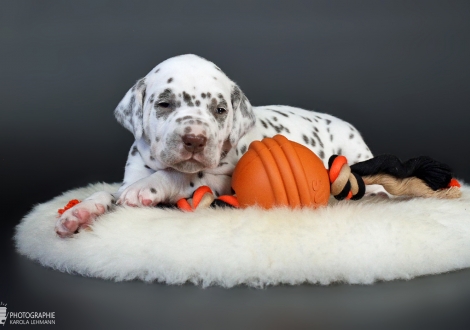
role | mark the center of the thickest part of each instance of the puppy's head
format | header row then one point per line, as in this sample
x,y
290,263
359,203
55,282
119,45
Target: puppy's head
x,y
188,111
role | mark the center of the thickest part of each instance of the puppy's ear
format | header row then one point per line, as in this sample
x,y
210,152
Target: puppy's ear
x,y
243,116
129,111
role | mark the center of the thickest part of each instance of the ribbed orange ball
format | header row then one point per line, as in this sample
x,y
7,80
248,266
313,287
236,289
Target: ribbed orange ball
x,y
279,172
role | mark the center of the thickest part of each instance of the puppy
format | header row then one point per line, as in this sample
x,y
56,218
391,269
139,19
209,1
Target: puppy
x,y
191,124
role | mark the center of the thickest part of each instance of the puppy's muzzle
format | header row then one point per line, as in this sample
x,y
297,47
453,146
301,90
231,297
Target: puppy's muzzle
x,y
194,143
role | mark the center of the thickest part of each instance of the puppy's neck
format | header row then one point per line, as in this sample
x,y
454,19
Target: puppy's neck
x,y
148,157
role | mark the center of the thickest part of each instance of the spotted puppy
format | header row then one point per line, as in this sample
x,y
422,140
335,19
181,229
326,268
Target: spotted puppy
x,y
191,124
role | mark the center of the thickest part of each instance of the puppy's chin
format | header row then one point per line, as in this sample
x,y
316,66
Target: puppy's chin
x,y
189,166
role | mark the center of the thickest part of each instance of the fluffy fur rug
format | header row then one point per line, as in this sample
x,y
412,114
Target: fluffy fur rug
x,y
354,242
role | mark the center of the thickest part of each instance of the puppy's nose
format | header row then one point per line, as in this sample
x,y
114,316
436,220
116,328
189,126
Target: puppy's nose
x,y
194,143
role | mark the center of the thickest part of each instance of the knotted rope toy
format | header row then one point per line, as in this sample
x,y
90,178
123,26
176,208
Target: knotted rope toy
x,y
279,172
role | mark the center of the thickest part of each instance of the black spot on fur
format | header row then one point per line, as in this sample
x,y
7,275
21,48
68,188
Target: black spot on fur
x,y
156,71
145,137
170,80
152,158
198,103
328,122
331,137
340,151
187,99
203,95
312,142
134,151
319,139
279,112
322,154
307,119
146,166
153,190
263,123
140,84
274,118
351,136
187,130
243,149
305,138
200,175
279,128
191,184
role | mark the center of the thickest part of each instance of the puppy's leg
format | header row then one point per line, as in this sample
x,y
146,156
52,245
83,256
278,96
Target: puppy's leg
x,y
169,186
83,214
162,186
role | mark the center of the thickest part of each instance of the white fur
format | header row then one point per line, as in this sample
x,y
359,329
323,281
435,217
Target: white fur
x,y
353,242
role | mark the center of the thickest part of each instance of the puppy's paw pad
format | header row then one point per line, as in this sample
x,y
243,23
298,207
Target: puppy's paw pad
x,y
83,214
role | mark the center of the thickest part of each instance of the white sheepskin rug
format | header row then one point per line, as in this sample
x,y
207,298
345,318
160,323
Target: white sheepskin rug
x,y
354,242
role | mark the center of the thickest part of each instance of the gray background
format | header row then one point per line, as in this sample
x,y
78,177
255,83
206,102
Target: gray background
x,y
398,70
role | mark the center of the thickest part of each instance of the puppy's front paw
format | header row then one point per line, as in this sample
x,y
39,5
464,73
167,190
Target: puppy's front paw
x,y
82,215
144,192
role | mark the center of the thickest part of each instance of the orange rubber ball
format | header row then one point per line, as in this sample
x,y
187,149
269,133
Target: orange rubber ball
x,y
280,172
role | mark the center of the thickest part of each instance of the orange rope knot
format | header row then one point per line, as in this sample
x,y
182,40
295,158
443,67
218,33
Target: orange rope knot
x,y
454,183
69,205
344,183
203,197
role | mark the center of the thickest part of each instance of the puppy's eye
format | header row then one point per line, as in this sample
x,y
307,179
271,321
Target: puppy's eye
x,y
221,111
164,105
